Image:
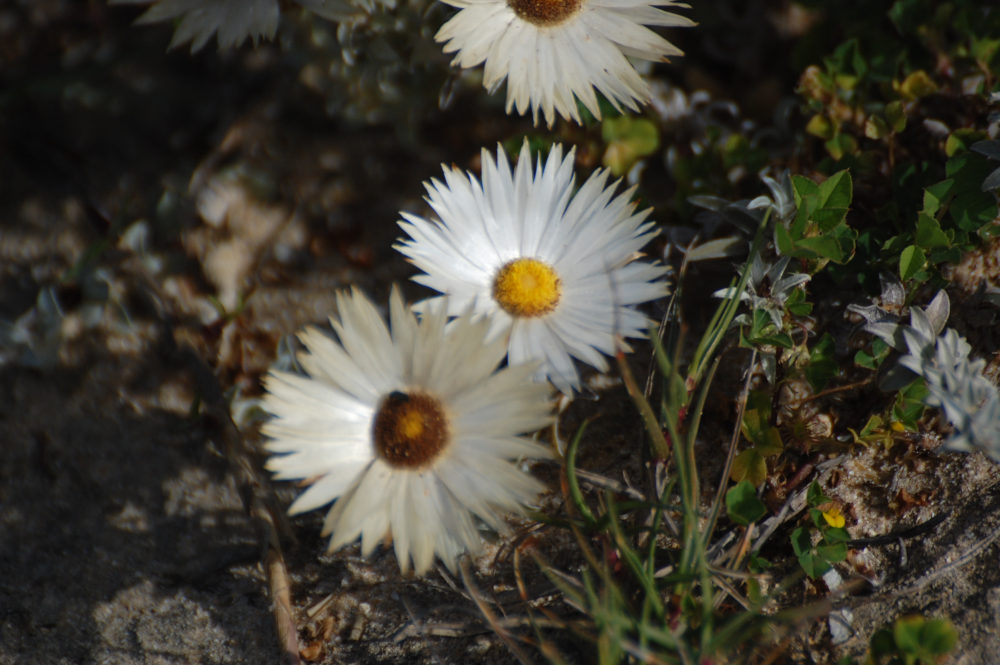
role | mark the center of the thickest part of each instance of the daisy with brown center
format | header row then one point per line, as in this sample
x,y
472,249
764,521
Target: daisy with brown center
x,y
556,271
552,50
413,431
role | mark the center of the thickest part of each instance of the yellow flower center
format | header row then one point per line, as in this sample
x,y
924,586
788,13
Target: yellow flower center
x,y
410,430
545,12
526,287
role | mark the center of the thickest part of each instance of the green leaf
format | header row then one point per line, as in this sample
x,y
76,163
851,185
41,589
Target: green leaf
x,y
929,233
832,553
756,415
882,644
939,636
820,126
984,50
916,85
750,466
895,115
815,495
813,565
822,364
836,191
819,231
763,332
796,303
846,62
571,479
971,208
840,145
835,535
821,247
803,187
908,407
743,505
876,127
864,359
936,194
801,541
758,564
911,260
880,351
783,240
924,639
628,140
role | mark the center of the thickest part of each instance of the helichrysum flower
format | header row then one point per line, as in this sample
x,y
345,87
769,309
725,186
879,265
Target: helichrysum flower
x,y
556,269
198,20
552,50
412,431
233,20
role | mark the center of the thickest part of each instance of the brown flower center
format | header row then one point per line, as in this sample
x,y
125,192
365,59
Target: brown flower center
x,y
545,12
410,429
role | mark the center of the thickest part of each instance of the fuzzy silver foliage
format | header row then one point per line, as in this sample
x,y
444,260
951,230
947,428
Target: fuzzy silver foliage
x,y
957,386
234,21
780,203
990,149
767,288
955,382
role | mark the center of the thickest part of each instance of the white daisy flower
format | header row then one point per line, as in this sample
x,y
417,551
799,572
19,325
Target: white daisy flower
x,y
556,269
412,431
551,50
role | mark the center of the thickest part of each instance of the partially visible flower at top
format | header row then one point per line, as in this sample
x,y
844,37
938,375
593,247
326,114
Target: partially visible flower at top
x,y
198,20
234,20
556,269
551,51
413,432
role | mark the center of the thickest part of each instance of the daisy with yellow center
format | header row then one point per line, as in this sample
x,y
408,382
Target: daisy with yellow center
x,y
412,432
553,52
553,270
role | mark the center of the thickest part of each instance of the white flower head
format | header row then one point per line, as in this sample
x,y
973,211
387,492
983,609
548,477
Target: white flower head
x,y
552,50
554,269
412,430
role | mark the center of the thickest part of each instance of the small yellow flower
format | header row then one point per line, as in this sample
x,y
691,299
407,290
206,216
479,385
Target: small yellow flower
x,y
834,517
